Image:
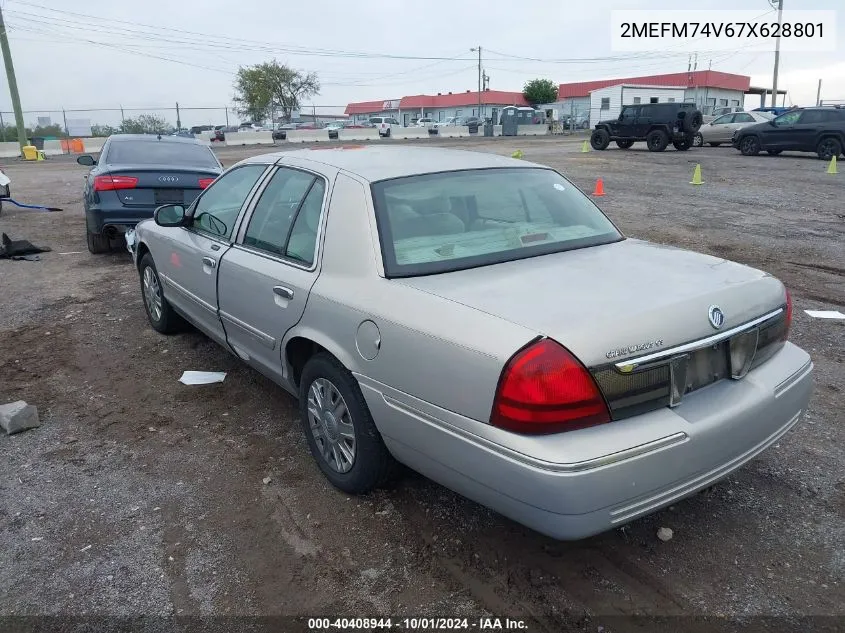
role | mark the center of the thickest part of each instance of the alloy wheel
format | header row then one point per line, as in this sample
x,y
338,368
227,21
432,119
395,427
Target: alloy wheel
x,y
152,293
331,425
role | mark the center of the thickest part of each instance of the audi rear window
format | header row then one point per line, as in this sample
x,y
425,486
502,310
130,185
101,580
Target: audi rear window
x,y
156,152
449,221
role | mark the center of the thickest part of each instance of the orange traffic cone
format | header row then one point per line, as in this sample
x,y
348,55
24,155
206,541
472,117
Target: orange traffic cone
x,y
599,188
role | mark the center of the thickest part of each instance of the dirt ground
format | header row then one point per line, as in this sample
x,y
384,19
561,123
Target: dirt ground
x,y
142,496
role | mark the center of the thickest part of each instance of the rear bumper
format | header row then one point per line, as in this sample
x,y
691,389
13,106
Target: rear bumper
x,y
714,432
122,218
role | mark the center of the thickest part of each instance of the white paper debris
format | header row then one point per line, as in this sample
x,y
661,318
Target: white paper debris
x,y
665,534
825,314
202,377
129,236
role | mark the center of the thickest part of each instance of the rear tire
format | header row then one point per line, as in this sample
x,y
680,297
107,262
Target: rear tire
x,y
749,146
828,148
657,140
626,144
599,139
161,315
327,386
98,243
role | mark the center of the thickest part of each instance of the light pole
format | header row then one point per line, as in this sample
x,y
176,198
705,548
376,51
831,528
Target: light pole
x,y
779,4
472,50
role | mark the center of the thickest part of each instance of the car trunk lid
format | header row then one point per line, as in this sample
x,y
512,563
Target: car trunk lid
x,y
160,184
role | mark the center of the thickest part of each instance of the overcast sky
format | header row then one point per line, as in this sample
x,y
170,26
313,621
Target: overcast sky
x,y
145,53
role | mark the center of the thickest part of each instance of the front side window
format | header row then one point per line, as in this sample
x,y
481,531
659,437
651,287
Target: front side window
x,y
722,120
790,118
743,117
218,207
273,215
449,221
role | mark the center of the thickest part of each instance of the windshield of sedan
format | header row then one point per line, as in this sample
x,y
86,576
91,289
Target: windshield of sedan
x,y
450,221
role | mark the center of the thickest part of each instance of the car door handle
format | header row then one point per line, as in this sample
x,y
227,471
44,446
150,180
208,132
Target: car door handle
x,y
284,293
209,261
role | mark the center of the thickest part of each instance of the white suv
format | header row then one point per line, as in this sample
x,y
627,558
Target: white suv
x,y
426,122
383,123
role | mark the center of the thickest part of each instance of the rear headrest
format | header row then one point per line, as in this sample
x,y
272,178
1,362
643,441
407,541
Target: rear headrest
x,y
437,204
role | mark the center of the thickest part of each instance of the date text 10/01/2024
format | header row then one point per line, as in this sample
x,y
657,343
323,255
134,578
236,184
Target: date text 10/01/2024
x,y
417,624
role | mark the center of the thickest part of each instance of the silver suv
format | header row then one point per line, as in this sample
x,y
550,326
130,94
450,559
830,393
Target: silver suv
x,y
383,124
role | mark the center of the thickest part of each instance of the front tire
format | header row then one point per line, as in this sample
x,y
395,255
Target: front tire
x,y
341,434
98,243
657,140
599,139
749,146
828,148
160,313
626,144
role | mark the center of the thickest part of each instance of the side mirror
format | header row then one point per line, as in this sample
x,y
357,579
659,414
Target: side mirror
x,y
170,215
772,122
86,160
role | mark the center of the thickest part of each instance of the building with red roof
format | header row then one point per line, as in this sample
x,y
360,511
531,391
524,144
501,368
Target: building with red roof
x,y
438,107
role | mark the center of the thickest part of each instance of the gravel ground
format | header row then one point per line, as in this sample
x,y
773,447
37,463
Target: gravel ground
x,y
141,496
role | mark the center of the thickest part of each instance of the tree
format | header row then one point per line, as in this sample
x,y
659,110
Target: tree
x,y
145,124
46,130
262,88
539,91
103,130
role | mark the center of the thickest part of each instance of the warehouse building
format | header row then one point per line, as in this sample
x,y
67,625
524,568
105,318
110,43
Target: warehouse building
x,y
709,89
606,103
438,107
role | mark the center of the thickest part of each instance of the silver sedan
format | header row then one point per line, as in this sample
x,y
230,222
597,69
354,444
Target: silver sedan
x,y
480,320
721,130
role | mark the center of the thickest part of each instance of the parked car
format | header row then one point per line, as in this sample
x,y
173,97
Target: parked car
x,y
280,133
721,130
398,293
135,174
820,130
184,133
447,122
199,129
776,110
424,122
717,112
657,124
383,124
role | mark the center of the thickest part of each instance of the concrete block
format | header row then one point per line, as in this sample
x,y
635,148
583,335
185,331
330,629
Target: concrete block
x,y
532,130
408,132
9,150
358,134
18,416
453,131
93,145
249,138
307,136
53,148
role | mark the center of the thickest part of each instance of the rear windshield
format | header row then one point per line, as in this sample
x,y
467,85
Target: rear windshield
x,y
156,152
455,220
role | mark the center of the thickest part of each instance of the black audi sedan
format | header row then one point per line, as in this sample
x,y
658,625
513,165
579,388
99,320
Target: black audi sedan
x,y
134,174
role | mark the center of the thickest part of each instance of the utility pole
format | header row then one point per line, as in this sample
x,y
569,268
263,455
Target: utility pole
x,y
178,119
13,83
819,94
479,77
777,51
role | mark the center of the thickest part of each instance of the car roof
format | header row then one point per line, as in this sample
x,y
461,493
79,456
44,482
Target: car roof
x,y
162,138
374,163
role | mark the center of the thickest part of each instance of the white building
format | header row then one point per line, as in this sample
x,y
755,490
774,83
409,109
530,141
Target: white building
x,y
606,103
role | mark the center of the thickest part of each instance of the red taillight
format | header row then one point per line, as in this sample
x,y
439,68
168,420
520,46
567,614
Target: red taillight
x,y
544,389
112,183
788,315
204,182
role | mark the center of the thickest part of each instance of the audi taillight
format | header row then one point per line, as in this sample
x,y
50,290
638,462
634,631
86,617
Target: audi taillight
x,y
204,182
112,183
788,315
545,389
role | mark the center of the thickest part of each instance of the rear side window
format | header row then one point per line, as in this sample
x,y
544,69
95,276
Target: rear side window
x,y
819,116
154,152
450,221
271,220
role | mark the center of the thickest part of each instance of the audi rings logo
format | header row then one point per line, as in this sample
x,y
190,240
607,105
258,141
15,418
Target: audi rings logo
x,y
716,317
168,178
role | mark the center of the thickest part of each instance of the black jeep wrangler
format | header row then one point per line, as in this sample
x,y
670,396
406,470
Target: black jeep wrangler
x,y
655,123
